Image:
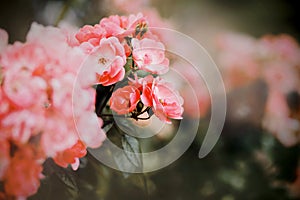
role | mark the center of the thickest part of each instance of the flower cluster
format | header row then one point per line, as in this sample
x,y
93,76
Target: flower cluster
x,y
37,118
276,60
119,49
47,92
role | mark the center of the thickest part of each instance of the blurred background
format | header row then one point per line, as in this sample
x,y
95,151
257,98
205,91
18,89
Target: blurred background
x,y
251,160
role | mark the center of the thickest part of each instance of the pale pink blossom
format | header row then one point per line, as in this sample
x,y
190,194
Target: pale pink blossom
x,y
70,32
105,65
89,130
24,89
22,124
59,133
113,74
149,55
120,26
52,40
91,34
62,91
124,100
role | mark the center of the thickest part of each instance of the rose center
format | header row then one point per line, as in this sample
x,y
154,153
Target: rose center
x,y
102,61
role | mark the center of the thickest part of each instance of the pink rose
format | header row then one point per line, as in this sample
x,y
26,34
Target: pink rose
x,y
113,74
106,62
124,100
161,96
121,25
91,34
149,55
114,25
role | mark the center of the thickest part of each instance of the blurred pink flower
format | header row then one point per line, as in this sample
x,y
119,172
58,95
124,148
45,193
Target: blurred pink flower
x,y
39,78
149,55
23,124
22,177
281,47
203,102
59,133
124,100
23,89
237,59
274,59
281,76
277,119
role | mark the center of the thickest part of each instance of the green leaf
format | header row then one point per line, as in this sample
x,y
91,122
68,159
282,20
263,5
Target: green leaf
x,y
132,149
130,157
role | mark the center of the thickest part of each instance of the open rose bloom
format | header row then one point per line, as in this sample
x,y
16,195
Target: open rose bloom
x,y
47,92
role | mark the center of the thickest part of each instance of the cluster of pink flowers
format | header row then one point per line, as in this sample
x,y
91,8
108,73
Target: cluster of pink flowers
x,y
118,41
48,100
274,59
36,117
